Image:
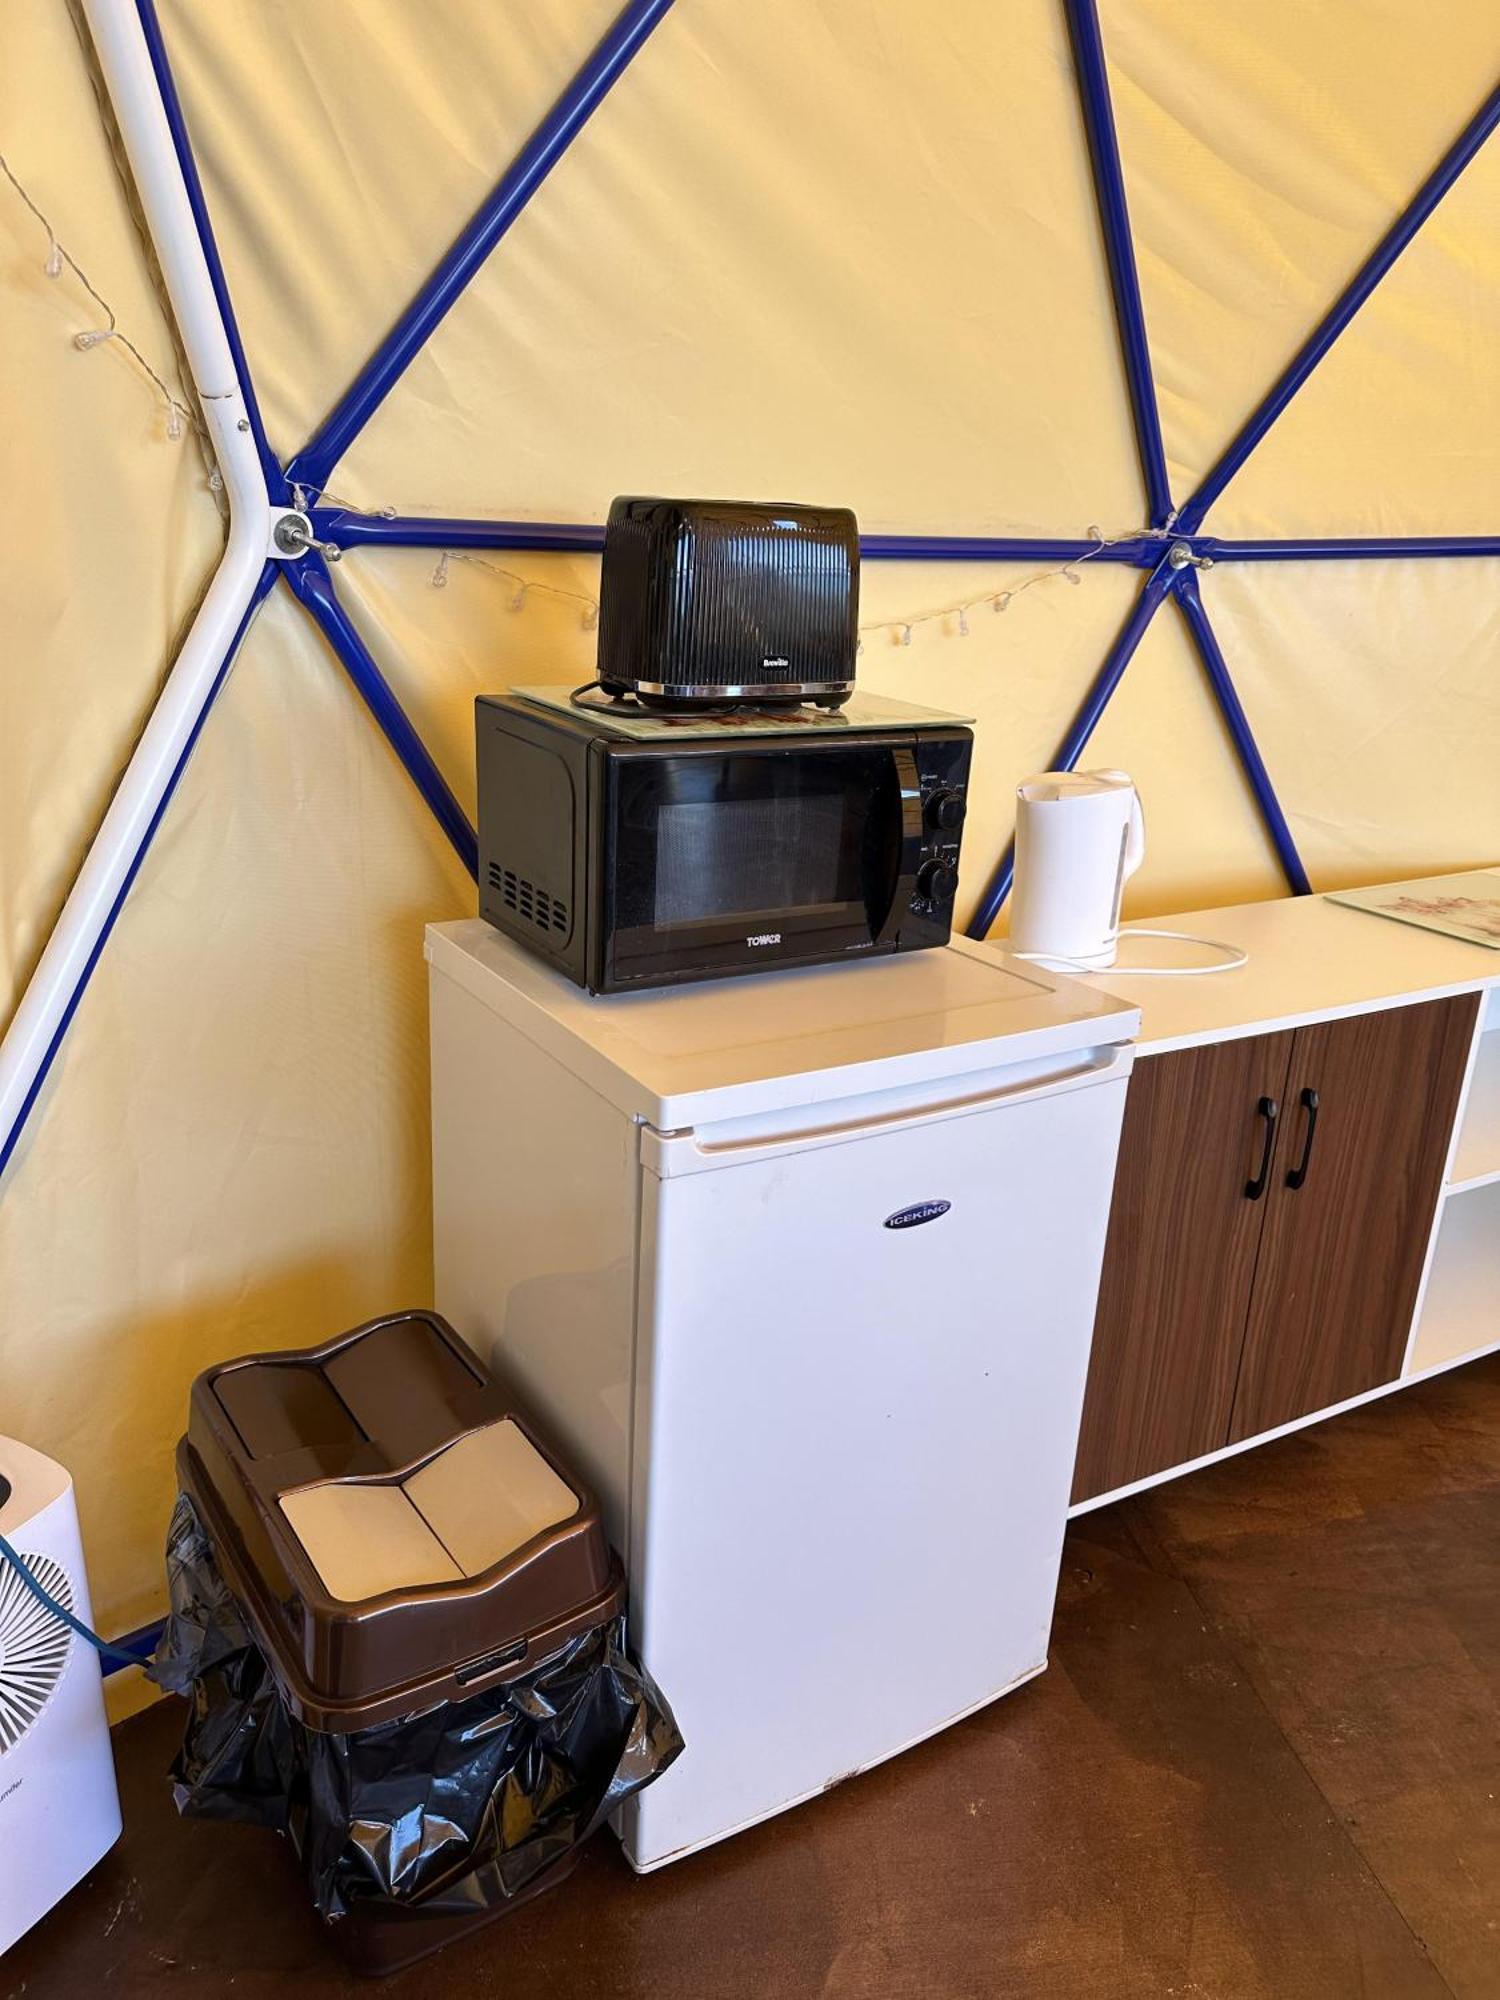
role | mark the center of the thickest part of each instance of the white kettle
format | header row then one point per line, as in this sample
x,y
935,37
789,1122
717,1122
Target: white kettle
x,y
1080,836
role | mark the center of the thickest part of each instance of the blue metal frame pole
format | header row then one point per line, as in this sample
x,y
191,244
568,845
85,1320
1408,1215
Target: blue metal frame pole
x,y
276,483
404,531
12,1137
1154,591
1343,309
1238,725
351,530
1347,548
312,465
311,583
142,1642
1114,218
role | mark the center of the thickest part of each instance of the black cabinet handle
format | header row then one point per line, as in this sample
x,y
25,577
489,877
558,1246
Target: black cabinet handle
x,y
1298,1175
1270,1110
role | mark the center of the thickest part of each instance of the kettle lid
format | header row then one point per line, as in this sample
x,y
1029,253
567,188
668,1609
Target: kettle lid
x,y
1046,787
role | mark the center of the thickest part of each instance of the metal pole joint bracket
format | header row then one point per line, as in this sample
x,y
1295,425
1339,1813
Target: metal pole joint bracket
x,y
292,535
1182,555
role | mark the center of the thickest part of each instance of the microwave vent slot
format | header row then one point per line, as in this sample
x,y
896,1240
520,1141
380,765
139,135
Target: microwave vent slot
x,y
533,905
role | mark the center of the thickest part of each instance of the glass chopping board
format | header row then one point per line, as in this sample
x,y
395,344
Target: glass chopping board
x,y
1462,906
860,712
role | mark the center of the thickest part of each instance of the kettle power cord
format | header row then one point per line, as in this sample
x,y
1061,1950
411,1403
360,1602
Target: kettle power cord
x,y
61,1612
1234,958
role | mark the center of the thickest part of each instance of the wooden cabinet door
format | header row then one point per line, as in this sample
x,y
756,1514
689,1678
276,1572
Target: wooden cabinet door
x,y
1179,1260
1342,1253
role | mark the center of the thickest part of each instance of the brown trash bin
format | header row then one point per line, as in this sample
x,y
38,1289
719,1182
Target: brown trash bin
x,y
401,1625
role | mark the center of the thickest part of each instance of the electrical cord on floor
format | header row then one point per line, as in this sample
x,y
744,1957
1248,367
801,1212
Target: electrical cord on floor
x,y
1235,958
61,1612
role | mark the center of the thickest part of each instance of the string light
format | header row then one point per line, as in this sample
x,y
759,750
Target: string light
x,y
900,629
326,497
521,586
90,337
179,414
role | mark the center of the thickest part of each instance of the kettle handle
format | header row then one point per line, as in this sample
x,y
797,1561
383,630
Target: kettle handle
x,y
1135,835
1134,852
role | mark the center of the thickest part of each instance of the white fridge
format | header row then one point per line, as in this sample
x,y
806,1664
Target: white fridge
x,y
800,1271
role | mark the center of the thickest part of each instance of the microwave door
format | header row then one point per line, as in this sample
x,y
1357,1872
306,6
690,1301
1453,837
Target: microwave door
x,y
725,859
907,785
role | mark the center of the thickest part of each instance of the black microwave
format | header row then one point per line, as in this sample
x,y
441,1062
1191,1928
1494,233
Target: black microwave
x,y
633,861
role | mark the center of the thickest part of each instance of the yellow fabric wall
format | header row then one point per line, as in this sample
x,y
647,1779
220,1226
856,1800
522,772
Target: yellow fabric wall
x,y
840,250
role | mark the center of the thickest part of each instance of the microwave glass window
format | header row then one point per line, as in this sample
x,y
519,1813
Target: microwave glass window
x,y
754,858
714,856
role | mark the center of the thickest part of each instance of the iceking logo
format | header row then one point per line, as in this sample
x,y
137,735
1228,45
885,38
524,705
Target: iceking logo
x,y
919,1212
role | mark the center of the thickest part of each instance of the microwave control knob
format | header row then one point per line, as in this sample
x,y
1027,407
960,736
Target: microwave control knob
x,y
945,811
937,881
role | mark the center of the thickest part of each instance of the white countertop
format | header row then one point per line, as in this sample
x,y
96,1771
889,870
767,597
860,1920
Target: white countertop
x,y
769,1041
1310,959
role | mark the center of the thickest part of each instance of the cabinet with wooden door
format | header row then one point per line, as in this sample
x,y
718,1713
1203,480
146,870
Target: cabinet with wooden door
x,y
1272,1210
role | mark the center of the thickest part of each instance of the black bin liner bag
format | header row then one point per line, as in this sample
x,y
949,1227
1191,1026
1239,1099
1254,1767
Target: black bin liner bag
x,y
460,1808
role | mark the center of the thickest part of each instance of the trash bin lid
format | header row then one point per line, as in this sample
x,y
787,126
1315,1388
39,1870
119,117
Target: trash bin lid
x,y
395,1531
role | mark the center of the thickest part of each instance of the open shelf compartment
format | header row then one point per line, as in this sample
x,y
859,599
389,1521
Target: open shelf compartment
x,y
1461,1309
1476,1157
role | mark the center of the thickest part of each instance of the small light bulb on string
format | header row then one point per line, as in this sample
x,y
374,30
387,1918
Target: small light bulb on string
x,y
95,336
331,499
439,577
955,617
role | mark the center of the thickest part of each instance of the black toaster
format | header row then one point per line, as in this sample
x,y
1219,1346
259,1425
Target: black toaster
x,y
709,601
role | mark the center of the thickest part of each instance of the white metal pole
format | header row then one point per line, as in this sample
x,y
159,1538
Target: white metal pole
x,y
116,30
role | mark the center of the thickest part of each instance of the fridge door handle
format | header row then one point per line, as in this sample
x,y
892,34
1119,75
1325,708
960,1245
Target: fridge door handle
x,y
666,1153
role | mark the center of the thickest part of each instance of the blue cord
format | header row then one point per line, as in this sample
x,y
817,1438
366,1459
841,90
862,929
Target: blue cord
x,y
60,1611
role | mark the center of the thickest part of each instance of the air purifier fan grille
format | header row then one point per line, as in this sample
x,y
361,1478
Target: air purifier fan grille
x,y
33,1646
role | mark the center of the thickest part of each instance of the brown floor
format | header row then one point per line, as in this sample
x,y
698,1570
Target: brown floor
x,y
1265,1761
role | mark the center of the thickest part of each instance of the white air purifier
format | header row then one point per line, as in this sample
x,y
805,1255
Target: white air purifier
x,y
1080,837
59,1809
